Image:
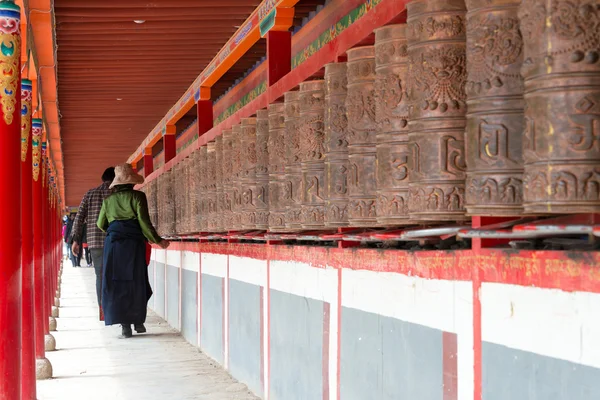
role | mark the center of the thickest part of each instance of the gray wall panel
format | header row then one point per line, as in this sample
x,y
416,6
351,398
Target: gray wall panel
x,y
244,334
519,375
151,280
189,306
384,358
173,296
212,317
159,290
296,347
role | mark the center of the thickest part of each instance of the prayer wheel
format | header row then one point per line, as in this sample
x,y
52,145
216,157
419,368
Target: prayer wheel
x,y
262,169
177,181
362,137
152,201
194,192
336,144
437,112
495,120
202,161
219,222
293,168
236,177
211,186
312,153
277,162
393,150
561,68
248,174
227,180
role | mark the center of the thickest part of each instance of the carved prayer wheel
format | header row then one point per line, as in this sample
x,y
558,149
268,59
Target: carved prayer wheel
x,y
219,222
227,180
152,201
495,101
393,150
293,168
561,144
211,186
194,192
236,177
362,137
336,144
277,162
202,161
262,169
248,174
176,181
312,153
437,113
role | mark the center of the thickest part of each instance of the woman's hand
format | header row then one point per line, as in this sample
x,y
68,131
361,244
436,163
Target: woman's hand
x,y
164,244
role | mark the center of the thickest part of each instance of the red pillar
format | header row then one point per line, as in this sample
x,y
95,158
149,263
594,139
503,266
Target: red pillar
x,y
43,366
169,143
28,389
148,162
10,205
205,116
279,55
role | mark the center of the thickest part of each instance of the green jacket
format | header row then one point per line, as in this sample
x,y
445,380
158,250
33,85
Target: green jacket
x,y
126,204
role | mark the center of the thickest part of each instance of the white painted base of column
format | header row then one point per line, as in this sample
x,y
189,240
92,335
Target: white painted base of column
x,y
57,302
49,342
52,324
55,312
43,369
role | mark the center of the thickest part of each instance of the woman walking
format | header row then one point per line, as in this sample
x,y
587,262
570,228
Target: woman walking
x,y
125,286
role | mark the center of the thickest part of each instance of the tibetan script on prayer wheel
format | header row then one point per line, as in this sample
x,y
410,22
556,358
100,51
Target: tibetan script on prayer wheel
x,y
437,109
194,191
336,144
393,151
219,224
495,120
277,159
211,186
312,153
561,68
262,169
227,180
248,174
202,162
236,175
362,137
293,169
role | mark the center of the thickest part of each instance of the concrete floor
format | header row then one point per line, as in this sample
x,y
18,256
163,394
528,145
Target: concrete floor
x,y
91,362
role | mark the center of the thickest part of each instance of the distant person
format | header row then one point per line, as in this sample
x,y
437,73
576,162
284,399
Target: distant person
x,y
89,211
75,258
125,286
86,249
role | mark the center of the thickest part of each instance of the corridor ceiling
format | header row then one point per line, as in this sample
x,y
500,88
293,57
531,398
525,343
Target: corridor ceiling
x,y
122,65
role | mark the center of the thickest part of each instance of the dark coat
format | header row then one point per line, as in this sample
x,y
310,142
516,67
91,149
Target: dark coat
x,y
68,231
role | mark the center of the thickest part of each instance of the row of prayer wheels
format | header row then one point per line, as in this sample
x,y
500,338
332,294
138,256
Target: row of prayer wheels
x,y
488,108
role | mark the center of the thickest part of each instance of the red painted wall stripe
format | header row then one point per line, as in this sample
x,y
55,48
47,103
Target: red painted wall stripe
x,y
262,338
339,335
477,337
326,334
450,365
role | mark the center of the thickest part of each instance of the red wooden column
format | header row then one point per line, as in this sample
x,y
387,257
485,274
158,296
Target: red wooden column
x,y
10,204
169,143
148,161
279,55
43,366
28,389
49,342
204,109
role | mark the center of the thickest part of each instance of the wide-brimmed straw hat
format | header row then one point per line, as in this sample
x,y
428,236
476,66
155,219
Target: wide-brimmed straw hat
x,y
125,175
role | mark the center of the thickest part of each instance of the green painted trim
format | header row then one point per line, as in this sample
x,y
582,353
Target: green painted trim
x,y
267,23
235,107
331,33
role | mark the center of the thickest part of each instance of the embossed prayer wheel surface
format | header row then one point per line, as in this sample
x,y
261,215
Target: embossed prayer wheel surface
x,y
248,174
336,144
293,168
312,153
362,137
152,201
219,222
495,120
211,186
227,180
277,161
393,151
194,191
202,161
175,181
561,67
262,169
236,177
437,112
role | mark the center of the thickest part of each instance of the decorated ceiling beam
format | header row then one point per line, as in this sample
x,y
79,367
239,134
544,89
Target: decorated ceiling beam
x,y
270,15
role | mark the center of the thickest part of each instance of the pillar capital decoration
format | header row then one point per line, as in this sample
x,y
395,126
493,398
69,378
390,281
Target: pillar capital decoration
x,y
26,99
10,45
36,148
44,163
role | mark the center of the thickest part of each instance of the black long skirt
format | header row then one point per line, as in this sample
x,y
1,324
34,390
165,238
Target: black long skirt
x,y
125,286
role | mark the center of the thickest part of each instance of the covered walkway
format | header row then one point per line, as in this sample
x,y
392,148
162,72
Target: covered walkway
x,y
91,359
